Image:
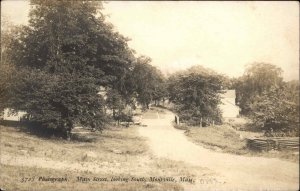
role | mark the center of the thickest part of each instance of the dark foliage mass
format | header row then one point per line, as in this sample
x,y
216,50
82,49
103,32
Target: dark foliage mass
x,y
148,82
272,103
65,54
56,66
196,94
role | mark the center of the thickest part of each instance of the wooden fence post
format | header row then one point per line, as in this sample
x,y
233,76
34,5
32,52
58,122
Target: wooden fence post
x,y
177,120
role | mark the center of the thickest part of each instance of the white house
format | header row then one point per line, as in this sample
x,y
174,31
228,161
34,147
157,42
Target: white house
x,y
8,115
228,107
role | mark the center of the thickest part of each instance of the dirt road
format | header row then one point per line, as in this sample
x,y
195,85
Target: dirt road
x,y
234,172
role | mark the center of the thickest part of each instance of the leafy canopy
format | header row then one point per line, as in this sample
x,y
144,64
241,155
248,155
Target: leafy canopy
x,y
195,93
258,78
65,54
272,103
149,82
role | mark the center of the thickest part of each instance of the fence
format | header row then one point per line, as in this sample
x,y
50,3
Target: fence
x,y
276,143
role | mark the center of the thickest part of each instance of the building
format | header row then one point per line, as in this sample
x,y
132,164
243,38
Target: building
x,y
10,116
228,107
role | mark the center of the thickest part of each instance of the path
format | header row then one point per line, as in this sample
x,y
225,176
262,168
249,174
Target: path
x,y
239,172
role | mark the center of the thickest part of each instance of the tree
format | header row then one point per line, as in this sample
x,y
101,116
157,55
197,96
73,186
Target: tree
x,y
258,78
272,103
275,111
63,56
196,95
117,104
8,33
59,102
149,82
6,78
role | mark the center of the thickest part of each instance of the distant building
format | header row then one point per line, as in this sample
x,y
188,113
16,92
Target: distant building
x,y
8,115
228,107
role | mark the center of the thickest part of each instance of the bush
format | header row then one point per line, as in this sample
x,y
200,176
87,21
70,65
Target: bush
x,y
274,112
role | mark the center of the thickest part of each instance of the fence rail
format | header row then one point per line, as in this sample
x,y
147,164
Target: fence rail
x,y
276,143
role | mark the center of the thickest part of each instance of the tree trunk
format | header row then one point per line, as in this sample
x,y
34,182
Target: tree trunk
x,y
69,129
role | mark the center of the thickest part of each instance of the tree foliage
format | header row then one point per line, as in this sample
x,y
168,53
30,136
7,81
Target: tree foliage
x,y
258,78
5,80
272,103
275,111
149,82
62,57
59,102
196,95
117,104
8,33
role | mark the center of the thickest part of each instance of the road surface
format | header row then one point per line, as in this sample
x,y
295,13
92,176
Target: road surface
x,y
234,172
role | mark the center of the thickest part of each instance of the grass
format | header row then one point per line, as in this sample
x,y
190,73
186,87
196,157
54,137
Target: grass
x,y
225,139
12,180
114,152
220,138
106,143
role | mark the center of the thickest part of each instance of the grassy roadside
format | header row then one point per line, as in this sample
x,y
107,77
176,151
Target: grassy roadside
x,y
12,178
225,139
116,152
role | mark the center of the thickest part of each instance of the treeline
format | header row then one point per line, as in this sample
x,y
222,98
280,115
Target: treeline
x,y
55,67
261,93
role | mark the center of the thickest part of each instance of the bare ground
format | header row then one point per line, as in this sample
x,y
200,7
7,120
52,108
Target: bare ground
x,y
116,152
233,172
125,153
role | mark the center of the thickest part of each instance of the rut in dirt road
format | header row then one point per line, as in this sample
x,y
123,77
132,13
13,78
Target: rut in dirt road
x,y
239,172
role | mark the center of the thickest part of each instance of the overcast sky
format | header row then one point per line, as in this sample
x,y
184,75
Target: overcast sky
x,y
224,36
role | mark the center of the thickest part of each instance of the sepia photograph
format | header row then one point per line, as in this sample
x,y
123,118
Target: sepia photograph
x,y
149,95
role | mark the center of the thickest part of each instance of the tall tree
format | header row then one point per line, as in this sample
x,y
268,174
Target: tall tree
x,y
268,100
196,95
258,78
64,55
148,80
9,32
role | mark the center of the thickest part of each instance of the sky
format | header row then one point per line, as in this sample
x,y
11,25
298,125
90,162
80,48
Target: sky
x,y
223,36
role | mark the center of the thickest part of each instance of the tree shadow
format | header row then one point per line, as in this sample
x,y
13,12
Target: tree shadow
x,y
41,132
32,128
83,138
